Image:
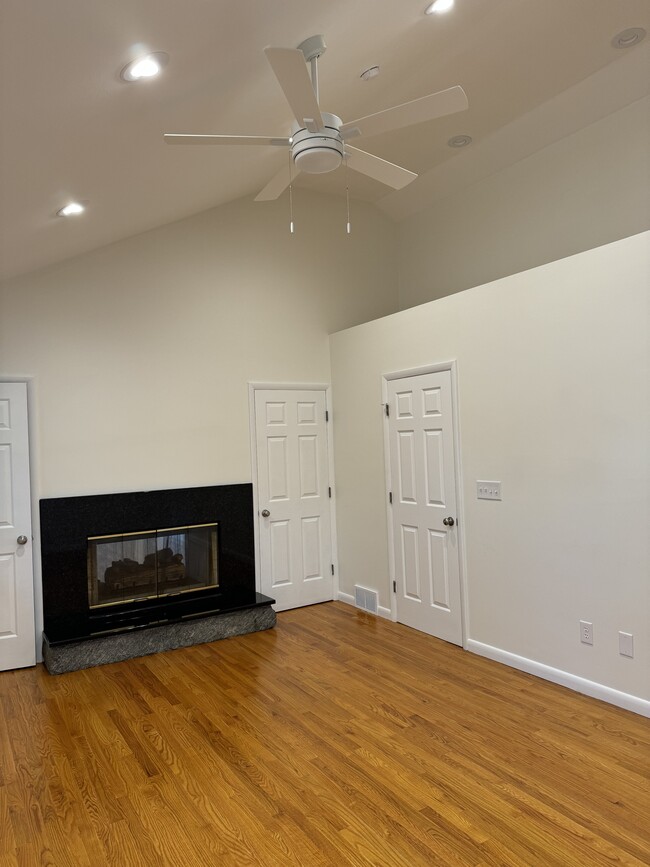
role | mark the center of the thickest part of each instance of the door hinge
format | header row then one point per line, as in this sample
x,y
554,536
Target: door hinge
x,y
387,406
329,493
390,497
332,568
394,586
327,415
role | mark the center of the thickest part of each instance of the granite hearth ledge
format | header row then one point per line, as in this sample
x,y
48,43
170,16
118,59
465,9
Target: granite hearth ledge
x,y
69,655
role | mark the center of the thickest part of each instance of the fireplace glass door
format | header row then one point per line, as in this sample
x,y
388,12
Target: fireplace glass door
x,y
128,567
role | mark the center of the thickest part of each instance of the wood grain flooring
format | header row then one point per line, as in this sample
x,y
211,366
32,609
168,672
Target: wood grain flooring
x,y
335,739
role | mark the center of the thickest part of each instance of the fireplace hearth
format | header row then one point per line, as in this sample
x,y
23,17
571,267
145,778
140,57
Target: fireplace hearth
x,y
137,562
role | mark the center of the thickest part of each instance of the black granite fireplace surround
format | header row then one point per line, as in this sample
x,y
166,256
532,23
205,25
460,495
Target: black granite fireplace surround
x,y
68,522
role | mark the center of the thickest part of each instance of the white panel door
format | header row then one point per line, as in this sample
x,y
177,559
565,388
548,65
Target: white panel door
x,y
17,646
293,497
424,509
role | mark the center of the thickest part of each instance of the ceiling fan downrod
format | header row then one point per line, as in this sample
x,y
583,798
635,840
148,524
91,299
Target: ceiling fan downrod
x,y
314,77
312,49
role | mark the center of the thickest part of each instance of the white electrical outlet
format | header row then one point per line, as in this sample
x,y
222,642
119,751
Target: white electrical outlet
x,y
488,490
586,632
626,644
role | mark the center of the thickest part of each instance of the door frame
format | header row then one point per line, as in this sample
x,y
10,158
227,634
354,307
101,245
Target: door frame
x,y
292,386
435,367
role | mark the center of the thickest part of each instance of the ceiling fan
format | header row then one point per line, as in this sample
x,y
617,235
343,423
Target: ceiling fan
x,y
319,141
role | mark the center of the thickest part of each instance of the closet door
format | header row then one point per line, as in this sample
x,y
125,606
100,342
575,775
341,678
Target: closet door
x,y
293,497
17,639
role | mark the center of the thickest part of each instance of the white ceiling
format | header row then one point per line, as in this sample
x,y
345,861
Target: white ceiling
x,y
70,128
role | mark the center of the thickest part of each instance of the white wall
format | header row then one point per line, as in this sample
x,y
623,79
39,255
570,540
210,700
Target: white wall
x,y
141,351
553,380
587,189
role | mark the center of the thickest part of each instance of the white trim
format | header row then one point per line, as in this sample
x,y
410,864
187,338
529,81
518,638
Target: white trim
x,y
420,371
389,511
436,367
331,466
349,600
564,678
296,386
460,500
253,457
292,386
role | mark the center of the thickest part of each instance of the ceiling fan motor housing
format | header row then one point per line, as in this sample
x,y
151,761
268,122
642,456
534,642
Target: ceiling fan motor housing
x,y
318,152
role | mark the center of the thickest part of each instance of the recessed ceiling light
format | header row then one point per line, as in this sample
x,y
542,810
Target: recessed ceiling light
x,y
70,210
438,7
144,67
628,38
459,141
373,72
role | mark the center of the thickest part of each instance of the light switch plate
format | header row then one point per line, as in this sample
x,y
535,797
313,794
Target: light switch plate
x,y
626,644
488,490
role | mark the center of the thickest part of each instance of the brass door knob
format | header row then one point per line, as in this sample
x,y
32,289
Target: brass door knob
x,y
448,522
265,513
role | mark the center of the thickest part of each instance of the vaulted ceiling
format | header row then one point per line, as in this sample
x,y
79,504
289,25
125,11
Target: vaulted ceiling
x,y
71,128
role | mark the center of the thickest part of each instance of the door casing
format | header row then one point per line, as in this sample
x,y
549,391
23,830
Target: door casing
x,y
435,367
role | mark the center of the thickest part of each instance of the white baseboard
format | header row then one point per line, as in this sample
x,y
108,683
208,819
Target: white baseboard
x,y
564,678
349,600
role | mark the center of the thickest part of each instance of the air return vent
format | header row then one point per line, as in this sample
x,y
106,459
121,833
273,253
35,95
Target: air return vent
x,y
366,599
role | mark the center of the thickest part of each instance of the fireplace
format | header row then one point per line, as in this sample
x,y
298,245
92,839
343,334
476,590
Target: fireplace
x,y
118,563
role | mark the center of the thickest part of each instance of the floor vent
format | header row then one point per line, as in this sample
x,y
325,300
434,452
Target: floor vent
x,y
366,599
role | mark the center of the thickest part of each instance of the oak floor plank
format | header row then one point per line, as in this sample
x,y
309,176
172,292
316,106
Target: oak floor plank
x,y
7,836
335,739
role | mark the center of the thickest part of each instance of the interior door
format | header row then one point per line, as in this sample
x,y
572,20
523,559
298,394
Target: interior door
x,y
293,497
17,645
424,507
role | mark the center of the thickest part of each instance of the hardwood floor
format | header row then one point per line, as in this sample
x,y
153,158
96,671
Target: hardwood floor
x,y
335,739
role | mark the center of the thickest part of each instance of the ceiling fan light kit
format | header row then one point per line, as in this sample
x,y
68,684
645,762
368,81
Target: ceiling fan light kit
x,y
321,152
317,143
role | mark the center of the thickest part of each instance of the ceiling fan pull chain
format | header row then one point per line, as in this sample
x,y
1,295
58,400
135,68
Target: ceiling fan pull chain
x,y
347,193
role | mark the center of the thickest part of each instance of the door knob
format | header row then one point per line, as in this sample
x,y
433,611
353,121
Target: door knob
x,y
265,513
22,540
448,522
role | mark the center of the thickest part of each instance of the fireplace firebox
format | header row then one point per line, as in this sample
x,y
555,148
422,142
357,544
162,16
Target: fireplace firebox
x,y
115,563
128,567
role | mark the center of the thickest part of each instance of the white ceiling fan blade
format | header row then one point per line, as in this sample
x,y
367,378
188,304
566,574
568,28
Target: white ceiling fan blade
x,y
381,170
290,69
417,111
278,184
182,139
